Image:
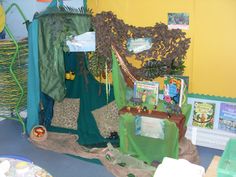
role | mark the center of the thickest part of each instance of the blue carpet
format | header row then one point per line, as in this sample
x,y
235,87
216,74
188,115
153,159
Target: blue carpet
x,y
207,154
12,142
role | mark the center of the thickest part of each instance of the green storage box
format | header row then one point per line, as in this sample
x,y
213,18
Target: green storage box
x,y
227,164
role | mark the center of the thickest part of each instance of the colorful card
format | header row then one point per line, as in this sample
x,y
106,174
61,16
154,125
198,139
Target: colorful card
x,y
227,119
173,90
203,114
147,92
185,88
149,127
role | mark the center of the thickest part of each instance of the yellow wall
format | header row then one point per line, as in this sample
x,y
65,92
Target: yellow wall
x,y
211,58
214,54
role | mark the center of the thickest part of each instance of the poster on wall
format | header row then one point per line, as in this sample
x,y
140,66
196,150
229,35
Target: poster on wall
x,y
178,21
203,114
227,118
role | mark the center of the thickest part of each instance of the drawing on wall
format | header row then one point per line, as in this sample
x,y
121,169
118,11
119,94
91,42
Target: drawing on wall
x,y
227,118
203,114
178,21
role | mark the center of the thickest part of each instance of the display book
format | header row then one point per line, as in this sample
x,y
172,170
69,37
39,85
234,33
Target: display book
x,y
203,114
147,92
175,89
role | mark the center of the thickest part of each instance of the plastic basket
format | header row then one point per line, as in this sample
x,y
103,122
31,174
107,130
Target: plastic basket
x,y
227,164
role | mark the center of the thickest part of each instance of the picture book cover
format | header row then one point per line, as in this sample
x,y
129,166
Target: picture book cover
x,y
147,91
149,127
227,118
185,88
203,114
173,90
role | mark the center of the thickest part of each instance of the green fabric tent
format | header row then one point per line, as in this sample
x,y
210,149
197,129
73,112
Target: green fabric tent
x,y
48,63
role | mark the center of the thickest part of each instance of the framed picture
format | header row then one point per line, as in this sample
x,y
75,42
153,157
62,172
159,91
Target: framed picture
x,y
178,21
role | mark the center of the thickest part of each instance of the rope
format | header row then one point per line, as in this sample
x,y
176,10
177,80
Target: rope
x,y
123,66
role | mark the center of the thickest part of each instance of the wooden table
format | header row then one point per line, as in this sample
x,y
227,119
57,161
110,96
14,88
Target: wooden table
x,y
212,169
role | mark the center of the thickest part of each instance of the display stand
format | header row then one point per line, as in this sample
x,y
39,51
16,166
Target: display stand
x,y
152,149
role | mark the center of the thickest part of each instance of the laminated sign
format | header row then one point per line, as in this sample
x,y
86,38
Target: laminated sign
x,y
82,43
149,127
139,45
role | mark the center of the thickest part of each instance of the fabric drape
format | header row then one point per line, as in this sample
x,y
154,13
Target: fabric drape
x,y
121,91
146,148
85,87
33,97
53,30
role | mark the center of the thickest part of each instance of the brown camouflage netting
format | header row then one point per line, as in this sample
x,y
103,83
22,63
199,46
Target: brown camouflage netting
x,y
67,144
168,51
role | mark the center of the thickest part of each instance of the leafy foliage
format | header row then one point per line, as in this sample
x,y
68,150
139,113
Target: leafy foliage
x,y
64,10
153,68
97,65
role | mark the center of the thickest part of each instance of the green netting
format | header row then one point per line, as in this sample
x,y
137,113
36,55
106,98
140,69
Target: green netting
x,y
121,90
10,92
145,148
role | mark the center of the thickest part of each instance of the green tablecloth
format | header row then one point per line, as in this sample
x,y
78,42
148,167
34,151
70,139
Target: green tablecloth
x,y
146,148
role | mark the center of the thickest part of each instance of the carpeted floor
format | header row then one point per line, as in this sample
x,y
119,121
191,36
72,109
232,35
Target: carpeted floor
x,y
59,165
13,142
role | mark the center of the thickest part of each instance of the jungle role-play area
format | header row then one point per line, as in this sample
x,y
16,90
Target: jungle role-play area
x,y
136,89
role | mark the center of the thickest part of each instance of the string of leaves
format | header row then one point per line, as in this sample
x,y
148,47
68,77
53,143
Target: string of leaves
x,y
64,10
166,55
97,65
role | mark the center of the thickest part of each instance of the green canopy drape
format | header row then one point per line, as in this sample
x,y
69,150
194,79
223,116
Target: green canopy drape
x,y
53,30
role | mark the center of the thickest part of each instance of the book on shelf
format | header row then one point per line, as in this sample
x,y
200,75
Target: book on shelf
x,y
147,92
227,117
175,90
203,114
